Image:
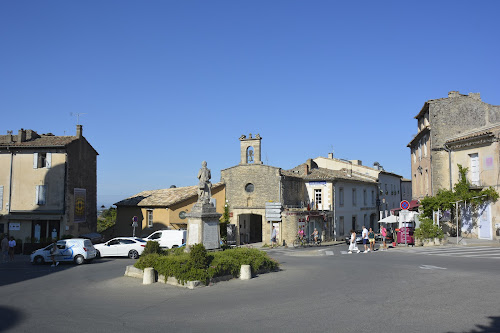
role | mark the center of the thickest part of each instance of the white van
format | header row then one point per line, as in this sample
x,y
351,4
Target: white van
x,y
78,250
169,238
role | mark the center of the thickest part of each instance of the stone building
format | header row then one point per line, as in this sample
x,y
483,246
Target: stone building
x,y
459,129
160,209
48,185
305,194
438,121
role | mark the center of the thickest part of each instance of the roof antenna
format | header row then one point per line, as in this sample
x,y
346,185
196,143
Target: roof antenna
x,y
77,114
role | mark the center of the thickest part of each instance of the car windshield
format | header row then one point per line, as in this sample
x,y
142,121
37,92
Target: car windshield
x,y
140,240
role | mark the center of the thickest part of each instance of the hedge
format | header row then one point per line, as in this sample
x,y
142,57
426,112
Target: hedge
x,y
202,266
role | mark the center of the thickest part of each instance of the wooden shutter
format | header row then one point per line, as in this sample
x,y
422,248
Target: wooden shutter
x,y
48,160
40,194
35,160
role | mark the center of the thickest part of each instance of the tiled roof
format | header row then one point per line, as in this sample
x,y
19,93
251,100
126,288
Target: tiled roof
x,y
325,174
162,198
471,136
43,141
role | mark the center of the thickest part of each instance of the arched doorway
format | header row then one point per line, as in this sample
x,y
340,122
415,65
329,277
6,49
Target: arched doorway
x,y
250,228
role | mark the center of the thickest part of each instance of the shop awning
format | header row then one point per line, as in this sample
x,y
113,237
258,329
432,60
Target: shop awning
x,y
389,219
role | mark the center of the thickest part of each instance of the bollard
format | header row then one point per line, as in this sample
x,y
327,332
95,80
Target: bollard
x,y
149,275
245,272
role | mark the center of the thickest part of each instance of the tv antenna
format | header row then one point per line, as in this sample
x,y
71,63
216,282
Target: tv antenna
x,y
77,114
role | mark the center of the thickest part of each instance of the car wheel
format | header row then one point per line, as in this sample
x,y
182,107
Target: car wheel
x,y
79,260
38,260
133,254
97,254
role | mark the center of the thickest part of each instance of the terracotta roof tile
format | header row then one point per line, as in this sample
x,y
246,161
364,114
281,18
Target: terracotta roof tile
x,y
163,197
43,141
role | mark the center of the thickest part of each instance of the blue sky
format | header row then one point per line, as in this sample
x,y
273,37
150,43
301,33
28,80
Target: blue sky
x,y
165,85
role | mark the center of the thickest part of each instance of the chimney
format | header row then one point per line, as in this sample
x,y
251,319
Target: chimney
x,y
79,131
330,156
9,137
476,96
453,94
306,169
21,136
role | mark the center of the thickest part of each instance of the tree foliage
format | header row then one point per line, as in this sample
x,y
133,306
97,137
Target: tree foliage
x,y
107,219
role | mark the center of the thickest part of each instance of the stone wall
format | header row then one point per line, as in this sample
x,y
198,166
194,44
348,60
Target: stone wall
x,y
265,180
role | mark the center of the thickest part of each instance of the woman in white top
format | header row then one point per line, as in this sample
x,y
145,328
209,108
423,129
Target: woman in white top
x,y
352,245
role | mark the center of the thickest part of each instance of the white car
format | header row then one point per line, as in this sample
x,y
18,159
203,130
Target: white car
x,y
78,250
131,247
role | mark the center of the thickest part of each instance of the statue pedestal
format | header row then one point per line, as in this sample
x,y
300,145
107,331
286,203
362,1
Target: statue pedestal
x,y
203,226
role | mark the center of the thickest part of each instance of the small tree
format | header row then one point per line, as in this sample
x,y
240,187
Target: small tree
x,y
428,230
224,221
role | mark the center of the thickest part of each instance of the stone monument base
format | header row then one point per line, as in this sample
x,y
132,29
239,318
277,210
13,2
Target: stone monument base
x,y
203,226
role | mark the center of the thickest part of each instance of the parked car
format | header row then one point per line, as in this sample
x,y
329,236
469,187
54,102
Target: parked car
x,y
359,238
78,250
169,238
131,247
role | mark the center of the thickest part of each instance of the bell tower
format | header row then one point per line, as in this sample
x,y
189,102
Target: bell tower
x,y
250,149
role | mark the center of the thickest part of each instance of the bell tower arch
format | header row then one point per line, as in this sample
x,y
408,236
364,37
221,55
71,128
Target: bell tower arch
x,y
250,149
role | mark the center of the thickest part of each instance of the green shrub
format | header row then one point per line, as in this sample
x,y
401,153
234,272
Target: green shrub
x,y
175,251
147,260
198,257
152,247
428,230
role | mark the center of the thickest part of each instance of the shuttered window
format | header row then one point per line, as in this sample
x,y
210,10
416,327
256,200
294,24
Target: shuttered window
x,y
42,160
41,191
1,197
150,218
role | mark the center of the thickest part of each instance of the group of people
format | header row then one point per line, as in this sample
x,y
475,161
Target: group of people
x,y
314,235
8,246
368,237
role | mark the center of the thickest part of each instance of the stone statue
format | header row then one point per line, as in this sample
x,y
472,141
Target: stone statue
x,y
204,185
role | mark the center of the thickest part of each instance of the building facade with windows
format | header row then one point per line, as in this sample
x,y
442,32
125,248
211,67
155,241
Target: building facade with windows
x,y
48,185
390,185
460,129
437,122
478,150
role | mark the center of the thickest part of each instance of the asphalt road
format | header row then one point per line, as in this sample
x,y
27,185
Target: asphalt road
x,y
317,290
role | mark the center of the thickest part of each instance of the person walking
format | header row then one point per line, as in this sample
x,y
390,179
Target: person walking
x,y
53,252
12,245
383,232
5,248
352,245
371,239
364,235
273,237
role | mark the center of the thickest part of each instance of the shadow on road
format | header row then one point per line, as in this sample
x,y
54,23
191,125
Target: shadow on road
x,y
494,327
10,317
21,270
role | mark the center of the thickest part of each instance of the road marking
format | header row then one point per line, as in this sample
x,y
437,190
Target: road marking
x,y
431,267
329,253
